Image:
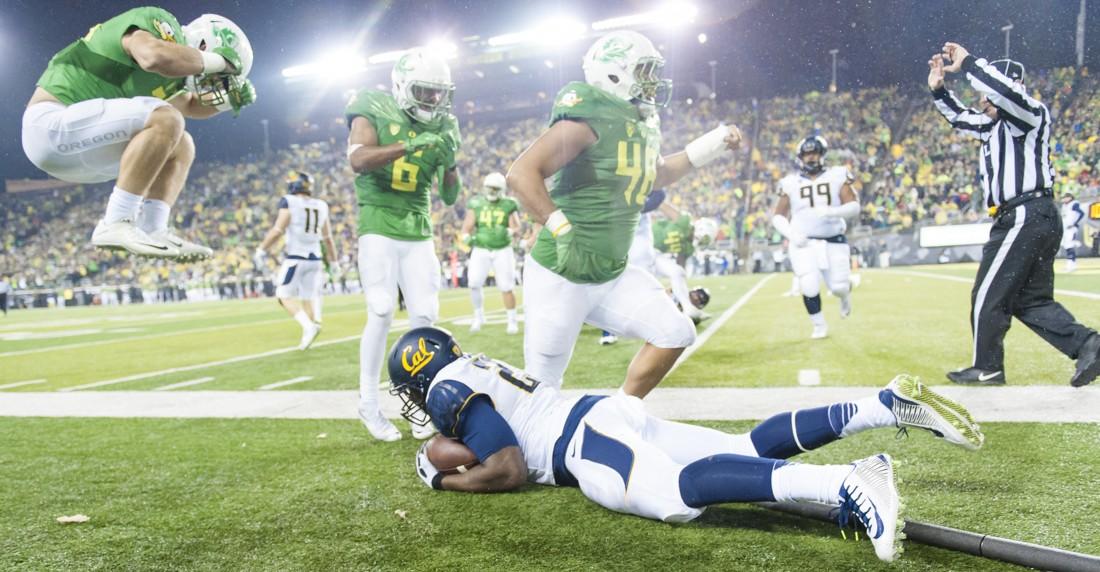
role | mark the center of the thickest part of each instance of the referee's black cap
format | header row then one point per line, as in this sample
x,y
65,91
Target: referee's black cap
x,y
1012,69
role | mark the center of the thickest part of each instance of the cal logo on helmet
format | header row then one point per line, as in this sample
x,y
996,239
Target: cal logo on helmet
x,y
419,359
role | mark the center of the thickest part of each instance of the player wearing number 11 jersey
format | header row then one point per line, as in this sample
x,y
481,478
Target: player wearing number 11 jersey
x,y
603,150
399,144
811,213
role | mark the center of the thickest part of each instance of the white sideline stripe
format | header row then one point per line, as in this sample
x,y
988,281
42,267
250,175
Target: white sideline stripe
x,y
1029,403
1058,291
714,327
187,383
292,381
22,383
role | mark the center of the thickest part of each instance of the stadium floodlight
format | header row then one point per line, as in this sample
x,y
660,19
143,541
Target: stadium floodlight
x,y
444,48
556,30
702,38
335,64
671,14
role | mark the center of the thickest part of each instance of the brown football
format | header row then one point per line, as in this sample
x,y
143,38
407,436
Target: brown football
x,y
450,456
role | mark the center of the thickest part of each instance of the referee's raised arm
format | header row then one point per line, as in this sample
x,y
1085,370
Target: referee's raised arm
x,y
965,120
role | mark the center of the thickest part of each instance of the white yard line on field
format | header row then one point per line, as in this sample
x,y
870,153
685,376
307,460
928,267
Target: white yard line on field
x,y
22,383
187,383
702,338
286,382
1057,291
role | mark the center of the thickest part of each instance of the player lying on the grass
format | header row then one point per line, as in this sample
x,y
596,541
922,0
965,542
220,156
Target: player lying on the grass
x,y
304,220
492,220
112,104
603,150
629,461
811,213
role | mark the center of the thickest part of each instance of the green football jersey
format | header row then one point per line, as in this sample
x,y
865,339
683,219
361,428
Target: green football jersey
x,y
395,200
491,220
96,66
674,236
604,188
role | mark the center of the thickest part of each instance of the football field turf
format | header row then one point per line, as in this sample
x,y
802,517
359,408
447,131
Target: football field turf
x,y
280,494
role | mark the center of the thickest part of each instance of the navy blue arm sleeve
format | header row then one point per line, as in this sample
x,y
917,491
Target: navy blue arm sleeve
x,y
484,430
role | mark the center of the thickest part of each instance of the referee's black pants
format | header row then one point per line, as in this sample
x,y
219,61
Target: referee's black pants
x,y
4,303
1016,278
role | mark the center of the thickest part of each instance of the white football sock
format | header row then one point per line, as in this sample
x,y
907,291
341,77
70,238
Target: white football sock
x,y
802,482
818,319
372,348
303,319
512,316
870,414
154,215
122,205
478,301
316,307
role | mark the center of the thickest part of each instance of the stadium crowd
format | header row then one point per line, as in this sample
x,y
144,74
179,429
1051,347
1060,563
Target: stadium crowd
x,y
910,169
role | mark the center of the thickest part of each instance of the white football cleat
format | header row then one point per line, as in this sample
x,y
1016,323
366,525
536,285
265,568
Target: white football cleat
x,y
846,306
820,332
1071,265
870,494
422,432
380,427
915,405
608,340
308,335
513,328
125,235
475,326
188,251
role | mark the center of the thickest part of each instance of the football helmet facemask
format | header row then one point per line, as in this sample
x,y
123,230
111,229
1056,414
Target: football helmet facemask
x,y
626,64
422,85
414,360
206,33
815,144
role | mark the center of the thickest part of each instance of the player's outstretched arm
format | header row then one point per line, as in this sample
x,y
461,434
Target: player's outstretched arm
x,y
554,149
702,150
503,471
170,59
364,153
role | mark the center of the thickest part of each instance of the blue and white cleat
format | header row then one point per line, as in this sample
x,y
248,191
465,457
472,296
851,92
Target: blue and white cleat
x,y
916,405
870,494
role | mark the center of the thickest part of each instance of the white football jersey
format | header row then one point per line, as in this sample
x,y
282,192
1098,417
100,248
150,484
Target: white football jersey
x,y
1072,214
805,194
535,412
307,217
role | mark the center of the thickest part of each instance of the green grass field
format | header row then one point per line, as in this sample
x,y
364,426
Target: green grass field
x,y
266,494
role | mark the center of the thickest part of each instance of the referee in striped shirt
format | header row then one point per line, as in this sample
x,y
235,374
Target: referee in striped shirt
x,y
1016,276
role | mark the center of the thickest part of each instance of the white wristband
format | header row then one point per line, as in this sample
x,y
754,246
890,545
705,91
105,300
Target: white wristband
x,y
212,63
557,224
783,225
352,148
708,146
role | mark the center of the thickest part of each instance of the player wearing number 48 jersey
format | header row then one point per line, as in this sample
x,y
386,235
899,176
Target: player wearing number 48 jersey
x,y
629,461
400,143
603,149
813,205
304,220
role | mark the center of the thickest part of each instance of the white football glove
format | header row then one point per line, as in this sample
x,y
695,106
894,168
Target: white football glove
x,y
426,470
259,258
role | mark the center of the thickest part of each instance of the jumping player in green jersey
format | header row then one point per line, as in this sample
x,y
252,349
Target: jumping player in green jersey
x,y
112,106
496,220
603,150
400,144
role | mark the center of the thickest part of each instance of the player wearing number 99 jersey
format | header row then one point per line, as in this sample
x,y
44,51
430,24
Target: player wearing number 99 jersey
x,y
813,205
399,144
603,150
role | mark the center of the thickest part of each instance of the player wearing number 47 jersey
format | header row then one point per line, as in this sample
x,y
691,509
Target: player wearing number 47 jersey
x,y
304,220
399,144
112,106
629,461
811,213
491,221
603,151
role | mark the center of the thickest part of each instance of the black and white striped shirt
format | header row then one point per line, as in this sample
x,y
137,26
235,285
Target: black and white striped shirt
x,y
1015,146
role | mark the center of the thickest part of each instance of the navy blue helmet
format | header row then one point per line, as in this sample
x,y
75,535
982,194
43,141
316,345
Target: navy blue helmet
x,y
299,182
413,363
812,144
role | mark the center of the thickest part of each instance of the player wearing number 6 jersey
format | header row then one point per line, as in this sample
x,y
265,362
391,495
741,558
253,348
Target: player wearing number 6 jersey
x,y
603,150
304,220
399,144
811,213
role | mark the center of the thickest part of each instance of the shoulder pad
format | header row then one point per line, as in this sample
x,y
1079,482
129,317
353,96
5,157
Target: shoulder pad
x,y
446,401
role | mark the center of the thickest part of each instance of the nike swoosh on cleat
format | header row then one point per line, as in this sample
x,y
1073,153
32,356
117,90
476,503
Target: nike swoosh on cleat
x,y
153,246
984,377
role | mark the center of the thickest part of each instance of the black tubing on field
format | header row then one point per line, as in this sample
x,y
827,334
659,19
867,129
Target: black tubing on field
x,y
984,545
